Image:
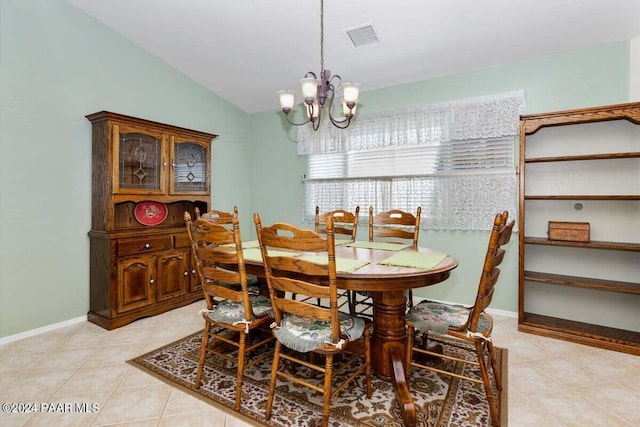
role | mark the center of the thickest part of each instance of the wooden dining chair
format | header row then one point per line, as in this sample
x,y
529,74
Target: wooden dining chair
x,y
239,314
466,327
303,328
345,223
226,218
395,226
220,217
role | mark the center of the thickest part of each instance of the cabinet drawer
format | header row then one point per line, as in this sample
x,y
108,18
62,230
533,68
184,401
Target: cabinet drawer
x,y
144,245
182,241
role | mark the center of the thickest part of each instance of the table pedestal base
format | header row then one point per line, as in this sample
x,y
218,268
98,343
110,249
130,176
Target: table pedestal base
x,y
389,336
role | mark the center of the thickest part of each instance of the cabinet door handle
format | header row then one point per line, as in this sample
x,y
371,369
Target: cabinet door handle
x,y
152,281
147,245
193,272
186,273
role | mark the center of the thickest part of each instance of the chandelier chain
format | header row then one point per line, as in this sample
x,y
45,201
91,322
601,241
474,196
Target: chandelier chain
x,y
321,37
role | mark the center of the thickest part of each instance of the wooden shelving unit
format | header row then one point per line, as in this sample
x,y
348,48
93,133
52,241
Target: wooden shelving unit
x,y
559,161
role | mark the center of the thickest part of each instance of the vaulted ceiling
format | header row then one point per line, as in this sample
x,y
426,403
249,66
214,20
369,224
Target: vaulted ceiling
x,y
246,50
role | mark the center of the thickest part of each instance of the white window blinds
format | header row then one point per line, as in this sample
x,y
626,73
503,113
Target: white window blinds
x,y
455,160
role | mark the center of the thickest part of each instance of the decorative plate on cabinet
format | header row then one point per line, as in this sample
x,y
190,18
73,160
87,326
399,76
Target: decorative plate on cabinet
x,y
150,212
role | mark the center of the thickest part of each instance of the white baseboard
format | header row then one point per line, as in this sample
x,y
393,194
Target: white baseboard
x,y
37,331
504,313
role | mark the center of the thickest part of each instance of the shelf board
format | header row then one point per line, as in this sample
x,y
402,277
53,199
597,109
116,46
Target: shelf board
x,y
619,246
531,123
583,282
583,197
583,333
602,156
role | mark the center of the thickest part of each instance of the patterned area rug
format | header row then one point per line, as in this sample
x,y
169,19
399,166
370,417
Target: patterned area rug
x,y
440,400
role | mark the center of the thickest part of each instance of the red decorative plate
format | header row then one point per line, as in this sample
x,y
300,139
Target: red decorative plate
x,y
150,213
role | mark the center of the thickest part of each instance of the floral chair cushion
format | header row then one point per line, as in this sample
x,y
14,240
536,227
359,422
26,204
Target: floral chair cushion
x,y
227,311
304,334
437,317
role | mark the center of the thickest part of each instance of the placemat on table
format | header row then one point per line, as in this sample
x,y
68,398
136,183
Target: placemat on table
x,y
250,244
343,242
344,265
385,246
253,254
421,260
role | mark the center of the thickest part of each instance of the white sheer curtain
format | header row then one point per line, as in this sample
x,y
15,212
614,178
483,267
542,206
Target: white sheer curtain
x,y
456,160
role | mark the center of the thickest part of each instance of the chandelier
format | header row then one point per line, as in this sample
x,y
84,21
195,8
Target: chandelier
x,y
319,92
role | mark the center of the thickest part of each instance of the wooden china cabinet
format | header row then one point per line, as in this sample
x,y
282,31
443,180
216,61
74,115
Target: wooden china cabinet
x,y
145,176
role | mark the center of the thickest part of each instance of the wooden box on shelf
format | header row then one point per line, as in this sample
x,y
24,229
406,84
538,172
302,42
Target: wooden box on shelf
x,y
569,231
145,175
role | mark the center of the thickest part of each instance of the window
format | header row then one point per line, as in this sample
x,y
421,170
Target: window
x,y
421,158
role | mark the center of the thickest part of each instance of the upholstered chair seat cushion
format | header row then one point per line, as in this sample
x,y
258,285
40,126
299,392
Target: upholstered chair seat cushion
x,y
436,317
227,311
304,334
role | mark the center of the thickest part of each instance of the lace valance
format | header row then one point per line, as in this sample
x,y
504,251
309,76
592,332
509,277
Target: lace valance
x,y
489,116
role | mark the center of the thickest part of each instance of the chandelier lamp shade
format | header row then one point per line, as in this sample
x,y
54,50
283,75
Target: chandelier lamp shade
x,y
319,92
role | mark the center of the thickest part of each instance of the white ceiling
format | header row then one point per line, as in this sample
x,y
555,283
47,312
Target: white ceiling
x,y
246,50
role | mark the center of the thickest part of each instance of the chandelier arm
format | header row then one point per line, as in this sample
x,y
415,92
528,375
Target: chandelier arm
x,y
310,110
342,124
286,116
337,123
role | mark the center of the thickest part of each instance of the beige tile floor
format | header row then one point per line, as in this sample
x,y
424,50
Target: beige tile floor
x,y
551,382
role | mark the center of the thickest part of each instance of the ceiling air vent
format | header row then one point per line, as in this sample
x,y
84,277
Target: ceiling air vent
x,y
363,35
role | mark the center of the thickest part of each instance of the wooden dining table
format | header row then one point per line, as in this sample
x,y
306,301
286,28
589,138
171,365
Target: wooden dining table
x,y
389,285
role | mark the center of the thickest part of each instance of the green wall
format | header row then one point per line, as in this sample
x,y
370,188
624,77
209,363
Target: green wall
x,y
57,65
589,77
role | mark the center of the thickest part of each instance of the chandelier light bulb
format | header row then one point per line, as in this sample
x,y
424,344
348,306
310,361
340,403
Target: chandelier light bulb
x,y
348,112
287,100
313,110
350,91
309,87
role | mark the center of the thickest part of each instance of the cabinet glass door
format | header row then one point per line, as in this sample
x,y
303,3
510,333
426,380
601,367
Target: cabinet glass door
x,y
189,167
140,162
